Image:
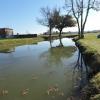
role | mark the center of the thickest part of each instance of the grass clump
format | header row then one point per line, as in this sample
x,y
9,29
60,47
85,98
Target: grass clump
x,y
92,90
96,97
96,83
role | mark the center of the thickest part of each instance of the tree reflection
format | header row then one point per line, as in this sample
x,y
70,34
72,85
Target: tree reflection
x,y
80,72
51,41
59,45
55,55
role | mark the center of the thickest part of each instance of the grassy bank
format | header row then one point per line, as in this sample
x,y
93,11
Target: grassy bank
x,y
7,44
91,49
91,42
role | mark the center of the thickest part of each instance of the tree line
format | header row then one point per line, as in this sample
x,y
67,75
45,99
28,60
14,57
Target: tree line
x,y
77,12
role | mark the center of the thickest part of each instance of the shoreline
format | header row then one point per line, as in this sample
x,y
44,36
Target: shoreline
x,y
7,44
92,58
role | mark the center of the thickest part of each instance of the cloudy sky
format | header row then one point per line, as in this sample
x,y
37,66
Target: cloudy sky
x,y
21,15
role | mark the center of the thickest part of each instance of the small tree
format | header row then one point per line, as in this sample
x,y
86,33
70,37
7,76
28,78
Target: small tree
x,y
47,19
80,10
62,21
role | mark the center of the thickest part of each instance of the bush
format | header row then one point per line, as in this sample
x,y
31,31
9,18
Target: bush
x,y
98,36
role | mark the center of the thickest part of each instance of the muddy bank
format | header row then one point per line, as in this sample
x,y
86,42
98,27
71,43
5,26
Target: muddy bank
x,y
92,59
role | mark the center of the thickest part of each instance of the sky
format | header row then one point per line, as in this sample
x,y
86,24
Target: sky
x,y
21,15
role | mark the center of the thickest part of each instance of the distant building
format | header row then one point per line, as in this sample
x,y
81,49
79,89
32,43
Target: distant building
x,y
6,32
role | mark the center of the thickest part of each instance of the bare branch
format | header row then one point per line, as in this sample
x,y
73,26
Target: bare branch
x,y
80,10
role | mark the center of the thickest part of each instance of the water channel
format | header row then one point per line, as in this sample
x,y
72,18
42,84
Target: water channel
x,y
38,71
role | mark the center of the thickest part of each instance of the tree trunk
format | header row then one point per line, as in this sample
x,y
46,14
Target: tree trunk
x,y
82,34
79,32
82,23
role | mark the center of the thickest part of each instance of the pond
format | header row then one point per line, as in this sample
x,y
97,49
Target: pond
x,y
38,71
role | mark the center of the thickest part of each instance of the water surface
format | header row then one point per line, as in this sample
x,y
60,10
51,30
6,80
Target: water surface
x,y
38,72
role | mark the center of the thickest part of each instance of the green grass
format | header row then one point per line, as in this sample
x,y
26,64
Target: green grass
x,y
91,42
7,44
20,41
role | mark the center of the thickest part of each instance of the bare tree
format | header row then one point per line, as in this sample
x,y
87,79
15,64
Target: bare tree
x,y
80,10
46,19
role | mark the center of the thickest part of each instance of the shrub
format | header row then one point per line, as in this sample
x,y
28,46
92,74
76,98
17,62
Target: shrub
x,y
98,36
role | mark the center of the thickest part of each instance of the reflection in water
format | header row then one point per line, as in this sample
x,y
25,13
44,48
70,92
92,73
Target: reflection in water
x,y
7,50
56,54
26,66
51,43
80,74
10,48
81,64
58,51
59,45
